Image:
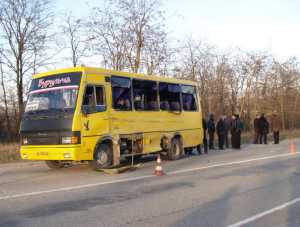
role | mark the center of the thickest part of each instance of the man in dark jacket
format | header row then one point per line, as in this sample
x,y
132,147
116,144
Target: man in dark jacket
x,y
221,130
204,126
256,129
275,126
236,130
211,131
263,126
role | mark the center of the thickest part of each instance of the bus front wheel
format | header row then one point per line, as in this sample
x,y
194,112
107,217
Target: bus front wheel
x,y
54,164
175,151
103,157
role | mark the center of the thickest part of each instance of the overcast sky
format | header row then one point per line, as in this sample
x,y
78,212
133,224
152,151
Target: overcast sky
x,y
271,25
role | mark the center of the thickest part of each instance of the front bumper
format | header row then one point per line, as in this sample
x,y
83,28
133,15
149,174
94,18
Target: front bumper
x,y
51,152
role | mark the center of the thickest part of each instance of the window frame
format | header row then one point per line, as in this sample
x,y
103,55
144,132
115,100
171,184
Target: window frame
x,y
157,95
196,97
130,89
180,96
95,98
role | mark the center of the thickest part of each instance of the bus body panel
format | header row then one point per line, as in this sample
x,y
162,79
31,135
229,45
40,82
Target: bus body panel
x,y
95,125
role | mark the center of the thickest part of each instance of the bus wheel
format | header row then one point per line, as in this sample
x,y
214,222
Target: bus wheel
x,y
175,151
103,157
55,164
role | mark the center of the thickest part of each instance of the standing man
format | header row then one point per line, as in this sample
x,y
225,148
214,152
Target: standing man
x,y
221,132
204,126
227,123
256,129
211,131
275,126
263,126
236,130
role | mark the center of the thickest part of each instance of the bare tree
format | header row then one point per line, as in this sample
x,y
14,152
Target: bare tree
x,y
157,53
24,27
108,36
6,108
76,40
125,32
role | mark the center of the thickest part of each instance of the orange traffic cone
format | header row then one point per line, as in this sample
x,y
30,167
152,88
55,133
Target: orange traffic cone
x,y
292,147
158,169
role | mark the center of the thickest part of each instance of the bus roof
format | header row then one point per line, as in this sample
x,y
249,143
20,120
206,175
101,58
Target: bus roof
x,y
113,72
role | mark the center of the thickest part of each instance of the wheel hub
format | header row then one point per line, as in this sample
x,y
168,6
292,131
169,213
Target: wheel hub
x,y
102,158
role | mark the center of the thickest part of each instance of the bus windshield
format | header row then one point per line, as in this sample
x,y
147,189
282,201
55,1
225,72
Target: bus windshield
x,y
54,93
58,99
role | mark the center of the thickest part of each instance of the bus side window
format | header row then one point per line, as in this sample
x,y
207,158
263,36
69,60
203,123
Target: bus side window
x,y
100,99
189,98
121,93
145,95
93,100
89,100
174,97
169,95
163,96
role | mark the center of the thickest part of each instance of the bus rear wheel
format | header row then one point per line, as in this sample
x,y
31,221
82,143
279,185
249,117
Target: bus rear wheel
x,y
176,149
103,157
55,164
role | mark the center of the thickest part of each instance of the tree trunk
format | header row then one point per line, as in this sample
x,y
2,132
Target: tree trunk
x,y
138,53
20,90
5,105
282,110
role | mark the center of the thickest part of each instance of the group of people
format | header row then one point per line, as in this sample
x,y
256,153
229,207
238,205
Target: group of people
x,y
262,127
233,126
222,128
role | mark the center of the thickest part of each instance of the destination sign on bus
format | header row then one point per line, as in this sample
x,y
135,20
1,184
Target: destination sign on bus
x,y
58,80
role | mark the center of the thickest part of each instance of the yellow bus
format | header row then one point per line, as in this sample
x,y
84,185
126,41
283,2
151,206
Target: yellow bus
x,y
104,116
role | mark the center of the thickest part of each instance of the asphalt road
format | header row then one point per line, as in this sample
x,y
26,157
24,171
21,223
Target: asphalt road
x,y
256,186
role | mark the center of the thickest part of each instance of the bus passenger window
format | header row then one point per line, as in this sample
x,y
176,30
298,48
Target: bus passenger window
x,y
145,95
163,96
121,93
169,97
189,98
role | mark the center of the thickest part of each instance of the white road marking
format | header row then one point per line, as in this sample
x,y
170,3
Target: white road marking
x,y
230,163
265,213
142,177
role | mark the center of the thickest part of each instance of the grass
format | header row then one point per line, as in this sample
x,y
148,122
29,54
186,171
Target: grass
x,y
9,152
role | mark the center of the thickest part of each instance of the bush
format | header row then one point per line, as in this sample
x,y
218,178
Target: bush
x,y
9,152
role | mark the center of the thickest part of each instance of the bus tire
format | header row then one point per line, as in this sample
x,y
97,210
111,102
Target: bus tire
x,y
175,151
54,164
103,157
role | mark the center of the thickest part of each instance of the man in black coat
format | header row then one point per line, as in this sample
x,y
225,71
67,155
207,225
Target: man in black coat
x,y
236,130
211,128
204,126
263,128
256,129
221,131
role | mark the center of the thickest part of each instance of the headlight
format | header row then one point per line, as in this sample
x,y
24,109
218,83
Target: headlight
x,y
67,155
25,141
70,140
